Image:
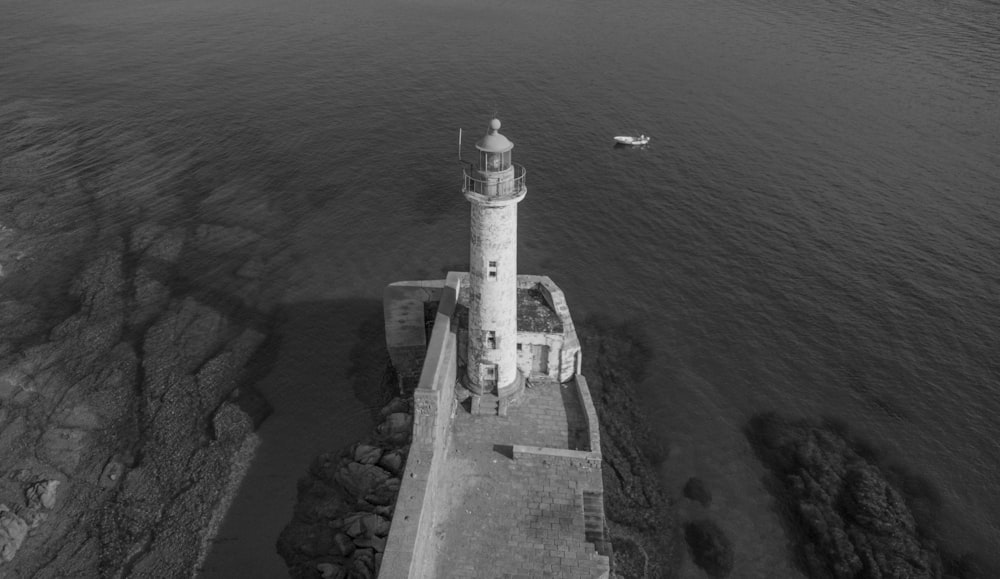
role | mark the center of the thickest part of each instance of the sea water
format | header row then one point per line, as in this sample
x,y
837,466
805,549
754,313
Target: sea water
x,y
814,228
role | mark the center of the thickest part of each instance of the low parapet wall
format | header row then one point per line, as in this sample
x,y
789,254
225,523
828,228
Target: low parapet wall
x,y
407,551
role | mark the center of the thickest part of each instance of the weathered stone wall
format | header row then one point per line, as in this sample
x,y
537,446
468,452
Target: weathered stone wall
x,y
565,356
407,551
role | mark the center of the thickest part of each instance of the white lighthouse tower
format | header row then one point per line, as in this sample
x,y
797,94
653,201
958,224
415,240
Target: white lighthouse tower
x,y
494,187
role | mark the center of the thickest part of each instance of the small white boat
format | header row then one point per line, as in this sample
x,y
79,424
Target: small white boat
x,y
640,140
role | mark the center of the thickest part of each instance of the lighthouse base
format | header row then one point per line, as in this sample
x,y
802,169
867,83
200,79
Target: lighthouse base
x,y
497,402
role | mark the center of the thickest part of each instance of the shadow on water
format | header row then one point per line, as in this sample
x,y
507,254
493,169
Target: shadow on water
x,y
327,363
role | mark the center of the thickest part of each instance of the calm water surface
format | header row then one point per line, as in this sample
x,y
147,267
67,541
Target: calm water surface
x,y
814,229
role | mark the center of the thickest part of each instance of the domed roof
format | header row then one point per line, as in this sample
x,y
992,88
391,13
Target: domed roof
x,y
494,142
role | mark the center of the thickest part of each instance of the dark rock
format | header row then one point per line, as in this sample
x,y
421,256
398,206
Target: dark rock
x,y
375,543
353,526
42,494
385,494
363,563
323,539
366,454
358,480
711,549
296,540
343,546
330,570
319,502
394,406
393,462
849,521
374,525
696,490
396,428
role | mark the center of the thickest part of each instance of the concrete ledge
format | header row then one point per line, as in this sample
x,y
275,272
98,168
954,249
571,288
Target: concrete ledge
x,y
409,519
578,458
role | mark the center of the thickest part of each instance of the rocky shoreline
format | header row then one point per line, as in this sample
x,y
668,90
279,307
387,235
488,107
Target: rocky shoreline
x,y
346,502
642,518
135,306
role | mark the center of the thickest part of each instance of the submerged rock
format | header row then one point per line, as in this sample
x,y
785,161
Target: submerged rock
x,y
849,520
696,490
118,359
711,549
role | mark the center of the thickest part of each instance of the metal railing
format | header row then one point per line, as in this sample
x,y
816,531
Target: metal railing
x,y
504,185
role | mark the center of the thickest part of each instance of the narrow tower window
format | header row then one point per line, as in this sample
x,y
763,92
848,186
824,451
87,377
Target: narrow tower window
x,y
493,270
491,339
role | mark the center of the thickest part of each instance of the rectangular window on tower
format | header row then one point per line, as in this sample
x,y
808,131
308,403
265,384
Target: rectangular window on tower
x,y
492,270
491,340
489,375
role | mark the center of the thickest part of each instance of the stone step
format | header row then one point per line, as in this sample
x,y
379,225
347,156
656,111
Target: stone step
x,y
595,528
485,404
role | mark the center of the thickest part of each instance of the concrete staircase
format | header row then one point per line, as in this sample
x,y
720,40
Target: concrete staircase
x,y
486,404
595,529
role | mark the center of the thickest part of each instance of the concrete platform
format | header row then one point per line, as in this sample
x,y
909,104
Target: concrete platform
x,y
523,518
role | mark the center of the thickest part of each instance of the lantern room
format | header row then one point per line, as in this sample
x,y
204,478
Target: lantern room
x,y
494,149
494,176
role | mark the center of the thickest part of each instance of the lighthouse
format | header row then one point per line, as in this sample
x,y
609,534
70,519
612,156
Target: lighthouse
x,y
494,186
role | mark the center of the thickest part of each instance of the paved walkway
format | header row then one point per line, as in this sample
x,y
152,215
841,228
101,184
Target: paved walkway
x,y
519,519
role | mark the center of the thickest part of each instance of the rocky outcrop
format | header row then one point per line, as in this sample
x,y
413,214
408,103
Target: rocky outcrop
x,y
848,515
710,548
131,307
346,502
696,490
